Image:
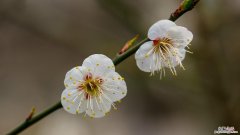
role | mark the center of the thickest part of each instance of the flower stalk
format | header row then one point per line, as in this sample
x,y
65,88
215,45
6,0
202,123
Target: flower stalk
x,y
184,7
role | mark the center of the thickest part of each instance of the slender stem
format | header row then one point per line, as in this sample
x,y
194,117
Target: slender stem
x,y
184,7
35,119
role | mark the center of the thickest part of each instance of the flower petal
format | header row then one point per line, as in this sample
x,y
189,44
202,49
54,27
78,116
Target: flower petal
x,y
114,87
74,76
100,107
73,101
159,29
145,49
174,61
145,57
98,64
180,36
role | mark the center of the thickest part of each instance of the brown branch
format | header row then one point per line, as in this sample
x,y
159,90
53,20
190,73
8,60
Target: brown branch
x,y
184,7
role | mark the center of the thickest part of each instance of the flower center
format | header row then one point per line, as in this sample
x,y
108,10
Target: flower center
x,y
162,45
91,86
165,55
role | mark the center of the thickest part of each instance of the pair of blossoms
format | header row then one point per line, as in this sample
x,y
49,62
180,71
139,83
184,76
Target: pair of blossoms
x,y
94,87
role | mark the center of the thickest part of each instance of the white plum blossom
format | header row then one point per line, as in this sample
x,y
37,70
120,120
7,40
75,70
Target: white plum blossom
x,y
166,48
93,87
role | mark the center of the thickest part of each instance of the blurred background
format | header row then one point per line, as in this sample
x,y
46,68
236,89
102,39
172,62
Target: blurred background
x,y
40,40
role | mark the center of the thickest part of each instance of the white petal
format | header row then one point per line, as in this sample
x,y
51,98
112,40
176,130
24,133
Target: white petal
x,y
114,87
144,50
73,101
145,58
74,76
159,29
98,64
181,36
100,107
173,59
